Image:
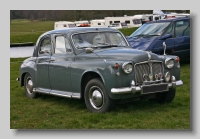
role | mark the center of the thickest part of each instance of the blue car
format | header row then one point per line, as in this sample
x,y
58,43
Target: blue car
x,y
175,32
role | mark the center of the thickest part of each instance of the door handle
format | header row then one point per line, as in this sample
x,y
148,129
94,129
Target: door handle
x,y
49,60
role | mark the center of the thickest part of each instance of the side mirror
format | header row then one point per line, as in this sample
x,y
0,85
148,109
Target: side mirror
x,y
165,36
164,45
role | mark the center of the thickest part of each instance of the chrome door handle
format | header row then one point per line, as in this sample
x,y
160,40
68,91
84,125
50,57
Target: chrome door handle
x,y
49,60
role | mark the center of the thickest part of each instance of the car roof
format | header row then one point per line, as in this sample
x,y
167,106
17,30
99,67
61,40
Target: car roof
x,y
70,31
168,20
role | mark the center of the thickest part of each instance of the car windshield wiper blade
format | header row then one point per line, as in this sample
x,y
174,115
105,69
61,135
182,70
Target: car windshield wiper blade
x,y
83,47
140,35
152,35
146,35
106,45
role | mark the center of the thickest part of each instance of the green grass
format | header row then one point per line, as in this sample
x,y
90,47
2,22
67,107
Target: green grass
x,y
22,30
52,112
26,31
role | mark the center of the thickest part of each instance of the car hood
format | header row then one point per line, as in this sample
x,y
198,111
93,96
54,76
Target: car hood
x,y
128,54
140,43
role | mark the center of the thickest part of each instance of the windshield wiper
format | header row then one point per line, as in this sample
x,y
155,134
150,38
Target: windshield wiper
x,y
83,47
146,35
108,45
140,35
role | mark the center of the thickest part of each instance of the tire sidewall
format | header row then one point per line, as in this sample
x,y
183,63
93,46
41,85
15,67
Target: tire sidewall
x,y
107,102
33,94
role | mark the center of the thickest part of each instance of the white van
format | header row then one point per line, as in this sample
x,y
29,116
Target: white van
x,y
64,24
131,21
97,23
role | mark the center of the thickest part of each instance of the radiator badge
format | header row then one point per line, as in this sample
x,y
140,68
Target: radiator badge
x,y
149,56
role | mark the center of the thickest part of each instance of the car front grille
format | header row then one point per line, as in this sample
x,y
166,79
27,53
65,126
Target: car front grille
x,y
148,67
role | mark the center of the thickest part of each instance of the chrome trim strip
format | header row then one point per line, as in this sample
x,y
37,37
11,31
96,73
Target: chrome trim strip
x,y
76,95
41,90
61,95
133,89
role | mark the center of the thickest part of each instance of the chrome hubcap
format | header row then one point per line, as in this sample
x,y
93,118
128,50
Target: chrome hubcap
x,y
29,86
96,97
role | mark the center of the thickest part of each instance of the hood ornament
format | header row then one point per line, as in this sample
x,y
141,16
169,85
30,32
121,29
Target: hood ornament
x,y
149,55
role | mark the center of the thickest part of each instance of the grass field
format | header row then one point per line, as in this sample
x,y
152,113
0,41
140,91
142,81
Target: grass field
x,y
52,112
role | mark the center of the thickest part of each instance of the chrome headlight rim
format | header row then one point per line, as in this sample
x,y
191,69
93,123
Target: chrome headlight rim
x,y
124,67
167,61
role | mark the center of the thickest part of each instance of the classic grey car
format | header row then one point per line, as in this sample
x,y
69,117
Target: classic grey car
x,y
99,66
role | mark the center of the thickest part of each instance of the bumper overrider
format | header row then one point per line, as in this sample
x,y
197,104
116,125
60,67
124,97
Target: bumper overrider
x,y
148,88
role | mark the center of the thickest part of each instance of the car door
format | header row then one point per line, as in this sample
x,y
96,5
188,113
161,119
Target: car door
x,y
42,66
60,66
182,41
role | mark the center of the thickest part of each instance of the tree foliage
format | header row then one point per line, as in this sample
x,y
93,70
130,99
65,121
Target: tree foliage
x,y
75,15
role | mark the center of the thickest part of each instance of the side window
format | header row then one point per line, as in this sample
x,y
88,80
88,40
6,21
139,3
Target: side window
x,y
182,28
169,30
45,46
62,45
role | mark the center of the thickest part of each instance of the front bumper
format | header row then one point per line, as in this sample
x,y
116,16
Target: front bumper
x,y
146,89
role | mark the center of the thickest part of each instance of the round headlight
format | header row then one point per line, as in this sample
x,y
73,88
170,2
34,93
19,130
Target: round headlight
x,y
169,63
127,67
167,77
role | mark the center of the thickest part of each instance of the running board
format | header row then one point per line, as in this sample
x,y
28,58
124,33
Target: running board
x,y
57,93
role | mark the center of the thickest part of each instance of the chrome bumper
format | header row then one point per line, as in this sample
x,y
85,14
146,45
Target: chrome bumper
x,y
133,89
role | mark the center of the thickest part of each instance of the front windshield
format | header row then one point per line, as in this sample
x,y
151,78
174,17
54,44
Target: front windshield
x,y
94,39
151,29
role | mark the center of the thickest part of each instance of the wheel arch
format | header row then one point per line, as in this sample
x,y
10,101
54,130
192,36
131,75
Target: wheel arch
x,y
86,77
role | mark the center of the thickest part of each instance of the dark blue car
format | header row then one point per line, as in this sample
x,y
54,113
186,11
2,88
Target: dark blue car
x,y
174,32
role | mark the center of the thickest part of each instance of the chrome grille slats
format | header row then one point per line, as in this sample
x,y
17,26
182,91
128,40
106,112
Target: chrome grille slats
x,y
157,68
141,69
144,68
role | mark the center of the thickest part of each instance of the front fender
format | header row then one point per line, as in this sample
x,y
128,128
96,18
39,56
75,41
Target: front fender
x,y
27,67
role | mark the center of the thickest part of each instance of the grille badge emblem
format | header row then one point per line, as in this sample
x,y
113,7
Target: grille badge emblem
x,y
151,77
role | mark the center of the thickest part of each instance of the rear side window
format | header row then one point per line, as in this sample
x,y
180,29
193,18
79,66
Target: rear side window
x,y
182,28
60,45
45,46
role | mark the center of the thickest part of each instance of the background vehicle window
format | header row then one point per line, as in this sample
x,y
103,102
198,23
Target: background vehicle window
x,y
169,30
60,45
45,46
182,28
127,21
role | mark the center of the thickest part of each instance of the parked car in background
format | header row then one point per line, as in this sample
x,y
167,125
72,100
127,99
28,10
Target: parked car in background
x,y
118,25
175,32
99,66
64,24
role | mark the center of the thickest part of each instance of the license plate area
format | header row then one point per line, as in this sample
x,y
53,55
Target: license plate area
x,y
153,88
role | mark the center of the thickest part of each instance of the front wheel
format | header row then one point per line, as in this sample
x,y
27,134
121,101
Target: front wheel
x,y
166,97
28,86
96,98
